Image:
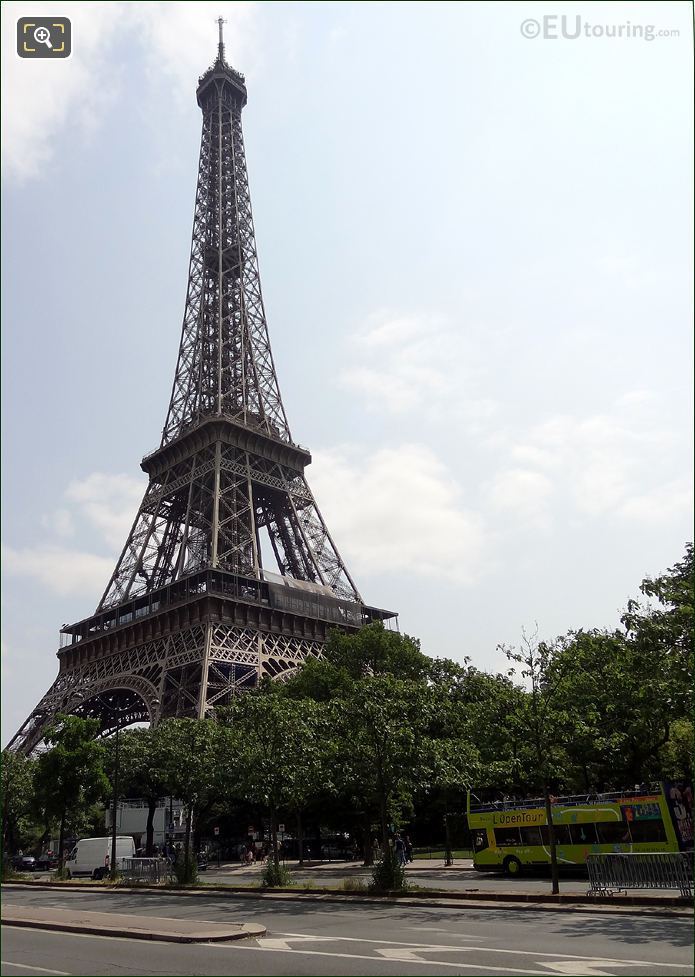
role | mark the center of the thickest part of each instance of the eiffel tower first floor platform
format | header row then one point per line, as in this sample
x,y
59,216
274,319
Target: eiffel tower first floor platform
x,y
189,647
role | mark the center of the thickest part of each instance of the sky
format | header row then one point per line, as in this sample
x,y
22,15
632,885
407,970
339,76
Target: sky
x,y
475,248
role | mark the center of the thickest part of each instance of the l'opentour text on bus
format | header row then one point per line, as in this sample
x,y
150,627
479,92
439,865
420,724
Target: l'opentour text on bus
x,y
512,835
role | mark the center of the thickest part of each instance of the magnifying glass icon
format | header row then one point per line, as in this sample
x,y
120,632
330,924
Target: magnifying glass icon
x,y
42,35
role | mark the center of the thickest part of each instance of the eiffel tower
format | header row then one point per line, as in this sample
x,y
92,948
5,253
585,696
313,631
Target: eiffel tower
x,y
190,615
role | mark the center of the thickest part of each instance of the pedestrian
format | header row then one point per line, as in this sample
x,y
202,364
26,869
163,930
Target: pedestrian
x,y
399,845
408,848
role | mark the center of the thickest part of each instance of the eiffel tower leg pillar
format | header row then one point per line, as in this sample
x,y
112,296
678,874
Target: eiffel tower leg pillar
x,y
202,700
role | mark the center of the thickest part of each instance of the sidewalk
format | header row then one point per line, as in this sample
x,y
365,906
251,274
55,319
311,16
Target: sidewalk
x,y
661,904
132,927
420,864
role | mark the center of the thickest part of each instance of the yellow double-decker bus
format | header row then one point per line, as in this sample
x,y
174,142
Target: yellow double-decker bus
x,y
513,835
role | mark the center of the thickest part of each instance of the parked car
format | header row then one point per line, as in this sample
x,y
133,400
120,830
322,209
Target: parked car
x,y
24,863
91,856
47,862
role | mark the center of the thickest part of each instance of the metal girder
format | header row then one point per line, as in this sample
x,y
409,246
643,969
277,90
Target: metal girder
x,y
162,678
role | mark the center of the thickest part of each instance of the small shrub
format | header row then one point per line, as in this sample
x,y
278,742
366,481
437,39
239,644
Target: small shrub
x,y
275,876
352,884
388,874
60,875
186,872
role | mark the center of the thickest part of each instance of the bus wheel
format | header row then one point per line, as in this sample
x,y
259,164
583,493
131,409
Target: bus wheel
x,y
511,866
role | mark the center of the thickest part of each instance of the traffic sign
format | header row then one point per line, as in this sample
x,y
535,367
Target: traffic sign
x,y
281,829
216,830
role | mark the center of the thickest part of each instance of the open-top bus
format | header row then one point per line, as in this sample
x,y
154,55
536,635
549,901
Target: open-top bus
x,y
512,835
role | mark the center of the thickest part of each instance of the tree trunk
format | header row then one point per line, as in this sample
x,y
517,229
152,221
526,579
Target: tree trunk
x,y
367,841
61,838
187,840
8,844
554,874
151,811
300,837
384,822
274,837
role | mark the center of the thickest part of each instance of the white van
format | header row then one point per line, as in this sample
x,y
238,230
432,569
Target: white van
x,y
92,856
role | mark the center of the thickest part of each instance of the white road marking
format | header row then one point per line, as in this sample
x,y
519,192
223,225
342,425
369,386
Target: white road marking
x,y
284,944
616,961
456,936
569,967
411,956
25,966
477,967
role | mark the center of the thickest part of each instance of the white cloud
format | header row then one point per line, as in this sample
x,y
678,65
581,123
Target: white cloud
x,y
60,522
102,507
419,363
618,461
109,503
43,98
387,329
660,505
523,494
399,511
60,570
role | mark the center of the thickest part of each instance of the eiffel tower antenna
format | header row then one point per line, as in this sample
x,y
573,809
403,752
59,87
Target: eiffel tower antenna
x,y
220,47
191,614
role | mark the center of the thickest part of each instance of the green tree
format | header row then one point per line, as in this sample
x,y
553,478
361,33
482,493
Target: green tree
x,y
540,722
70,775
390,746
277,745
17,792
189,752
142,770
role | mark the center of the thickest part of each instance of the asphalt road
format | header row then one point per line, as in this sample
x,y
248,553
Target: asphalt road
x,y
333,938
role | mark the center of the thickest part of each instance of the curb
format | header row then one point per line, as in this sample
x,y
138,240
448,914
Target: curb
x,y
254,930
668,906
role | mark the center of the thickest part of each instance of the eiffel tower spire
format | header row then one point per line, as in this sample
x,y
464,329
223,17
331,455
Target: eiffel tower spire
x,y
220,46
191,614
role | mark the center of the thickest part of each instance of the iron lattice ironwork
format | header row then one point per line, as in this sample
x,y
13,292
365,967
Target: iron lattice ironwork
x,y
190,616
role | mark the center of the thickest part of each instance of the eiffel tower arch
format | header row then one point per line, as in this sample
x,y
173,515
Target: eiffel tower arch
x,y
191,616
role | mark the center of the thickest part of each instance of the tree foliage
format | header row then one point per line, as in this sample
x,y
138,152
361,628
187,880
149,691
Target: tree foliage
x,y
17,797
70,775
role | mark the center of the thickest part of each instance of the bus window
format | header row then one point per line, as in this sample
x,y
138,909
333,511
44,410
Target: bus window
x,y
562,834
612,833
531,836
506,837
480,840
583,834
643,831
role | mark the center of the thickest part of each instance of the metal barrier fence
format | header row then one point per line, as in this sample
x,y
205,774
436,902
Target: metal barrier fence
x,y
151,870
640,870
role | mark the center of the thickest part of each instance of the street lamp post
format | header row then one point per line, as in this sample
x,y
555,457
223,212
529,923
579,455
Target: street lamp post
x,y
114,712
115,812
